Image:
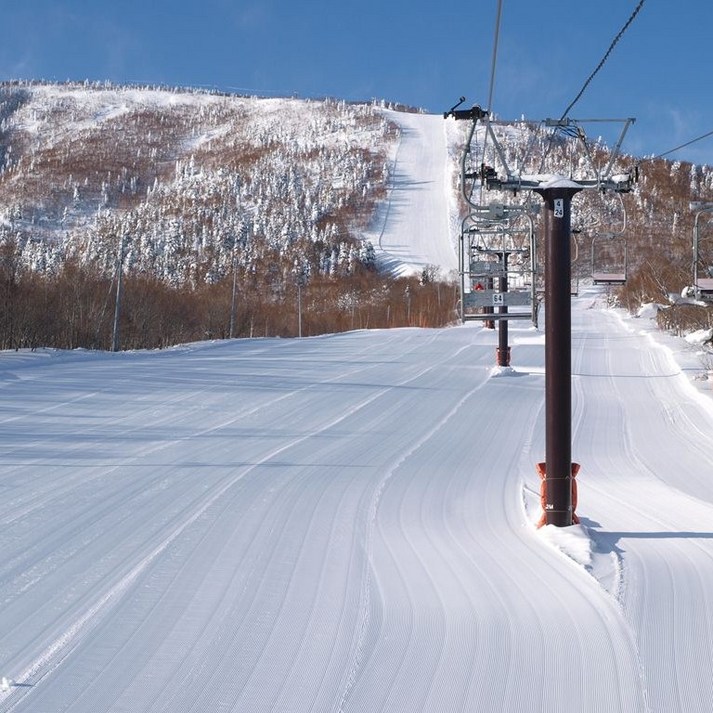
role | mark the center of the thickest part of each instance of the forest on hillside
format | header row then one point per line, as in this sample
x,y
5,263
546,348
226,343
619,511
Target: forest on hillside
x,y
230,216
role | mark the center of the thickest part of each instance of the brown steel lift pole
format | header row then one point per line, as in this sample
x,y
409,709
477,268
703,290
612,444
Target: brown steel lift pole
x,y
558,353
503,352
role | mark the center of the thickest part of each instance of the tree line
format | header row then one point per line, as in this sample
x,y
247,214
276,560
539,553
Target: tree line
x,y
75,306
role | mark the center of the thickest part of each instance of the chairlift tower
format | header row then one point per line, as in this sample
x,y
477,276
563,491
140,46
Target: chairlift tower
x,y
702,286
489,239
496,266
557,192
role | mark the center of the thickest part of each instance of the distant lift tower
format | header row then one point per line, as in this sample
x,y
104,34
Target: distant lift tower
x,y
496,255
497,251
557,191
702,260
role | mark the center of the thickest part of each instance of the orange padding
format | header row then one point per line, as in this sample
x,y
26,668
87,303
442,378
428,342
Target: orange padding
x,y
540,467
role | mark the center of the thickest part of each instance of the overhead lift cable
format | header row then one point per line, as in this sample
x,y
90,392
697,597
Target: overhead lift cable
x,y
681,146
604,59
571,131
491,89
495,56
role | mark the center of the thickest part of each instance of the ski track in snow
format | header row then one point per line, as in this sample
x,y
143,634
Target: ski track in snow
x,y
665,502
46,660
345,523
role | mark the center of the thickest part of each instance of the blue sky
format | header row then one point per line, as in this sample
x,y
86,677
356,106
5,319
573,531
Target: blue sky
x,y
420,53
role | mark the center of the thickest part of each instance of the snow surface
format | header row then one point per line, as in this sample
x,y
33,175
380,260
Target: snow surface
x,y
414,228
346,523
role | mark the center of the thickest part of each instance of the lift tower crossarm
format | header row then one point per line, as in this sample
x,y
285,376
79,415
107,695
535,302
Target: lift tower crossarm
x,y
618,184
605,175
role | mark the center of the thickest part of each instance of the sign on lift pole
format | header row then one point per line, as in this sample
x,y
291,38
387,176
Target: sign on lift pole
x,y
557,213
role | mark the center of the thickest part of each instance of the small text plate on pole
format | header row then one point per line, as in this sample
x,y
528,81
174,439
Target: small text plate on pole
x,y
559,208
490,298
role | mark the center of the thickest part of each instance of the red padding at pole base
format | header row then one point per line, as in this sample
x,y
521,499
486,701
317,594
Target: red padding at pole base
x,y
540,467
502,356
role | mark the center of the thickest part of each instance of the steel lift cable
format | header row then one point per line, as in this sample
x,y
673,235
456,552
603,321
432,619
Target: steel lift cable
x,y
589,79
493,62
604,58
681,146
491,88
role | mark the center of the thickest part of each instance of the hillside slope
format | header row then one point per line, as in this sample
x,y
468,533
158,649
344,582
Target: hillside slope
x,y
192,181
197,183
345,523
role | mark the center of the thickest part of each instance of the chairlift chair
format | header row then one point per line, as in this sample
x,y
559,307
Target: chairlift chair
x,y
704,286
609,260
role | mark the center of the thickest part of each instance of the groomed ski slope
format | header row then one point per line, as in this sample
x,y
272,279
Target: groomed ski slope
x,y
417,225
345,523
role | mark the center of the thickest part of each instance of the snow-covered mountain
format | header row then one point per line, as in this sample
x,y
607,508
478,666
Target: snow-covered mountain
x,y
194,181
201,189
233,215
191,180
